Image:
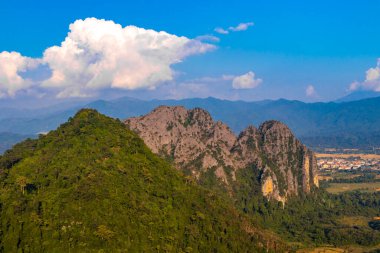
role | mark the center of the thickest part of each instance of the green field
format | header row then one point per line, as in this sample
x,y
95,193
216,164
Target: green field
x,y
358,221
350,249
337,188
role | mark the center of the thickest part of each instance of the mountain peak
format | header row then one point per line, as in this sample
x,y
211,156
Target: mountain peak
x,y
181,115
273,125
86,113
165,108
186,135
198,145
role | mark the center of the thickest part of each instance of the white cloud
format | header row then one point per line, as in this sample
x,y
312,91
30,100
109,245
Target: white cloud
x,y
12,64
354,86
207,37
246,81
202,87
221,30
213,79
373,74
372,80
310,91
227,77
99,54
241,27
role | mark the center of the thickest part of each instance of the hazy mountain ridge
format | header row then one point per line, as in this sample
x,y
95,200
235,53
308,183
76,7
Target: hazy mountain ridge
x,y
7,140
346,124
358,95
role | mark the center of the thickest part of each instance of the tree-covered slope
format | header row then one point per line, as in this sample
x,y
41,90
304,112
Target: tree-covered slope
x,y
93,185
314,219
254,170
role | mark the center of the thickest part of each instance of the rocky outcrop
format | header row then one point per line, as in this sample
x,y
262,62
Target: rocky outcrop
x,y
290,161
197,144
190,138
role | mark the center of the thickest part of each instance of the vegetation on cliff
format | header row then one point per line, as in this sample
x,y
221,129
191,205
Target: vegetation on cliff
x,y
311,219
93,185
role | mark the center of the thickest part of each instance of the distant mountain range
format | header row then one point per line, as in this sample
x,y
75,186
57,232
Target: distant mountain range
x,y
318,125
358,95
9,139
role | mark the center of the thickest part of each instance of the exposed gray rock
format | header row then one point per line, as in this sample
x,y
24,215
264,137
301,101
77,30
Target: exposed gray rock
x,y
196,144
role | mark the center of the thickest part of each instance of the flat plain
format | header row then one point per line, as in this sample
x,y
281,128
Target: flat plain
x,y
337,188
363,156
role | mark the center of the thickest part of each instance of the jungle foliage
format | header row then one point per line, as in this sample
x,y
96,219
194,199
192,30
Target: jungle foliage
x,y
312,219
92,185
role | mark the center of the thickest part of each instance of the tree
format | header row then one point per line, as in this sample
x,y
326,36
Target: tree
x,y
104,233
22,182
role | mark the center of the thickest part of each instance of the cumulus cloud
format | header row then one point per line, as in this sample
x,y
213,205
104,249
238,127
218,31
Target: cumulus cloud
x,y
310,91
246,81
373,74
241,27
99,54
12,65
371,82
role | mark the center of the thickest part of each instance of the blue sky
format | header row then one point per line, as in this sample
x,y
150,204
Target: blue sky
x,y
293,46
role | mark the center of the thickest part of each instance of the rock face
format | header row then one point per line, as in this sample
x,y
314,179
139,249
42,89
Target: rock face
x,y
197,145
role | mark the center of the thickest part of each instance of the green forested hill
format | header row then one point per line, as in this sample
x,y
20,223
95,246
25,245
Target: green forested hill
x,y
93,185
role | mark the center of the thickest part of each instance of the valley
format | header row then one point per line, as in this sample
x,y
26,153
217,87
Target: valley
x,y
337,188
340,173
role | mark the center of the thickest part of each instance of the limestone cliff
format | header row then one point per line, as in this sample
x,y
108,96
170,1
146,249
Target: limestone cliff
x,y
289,160
197,144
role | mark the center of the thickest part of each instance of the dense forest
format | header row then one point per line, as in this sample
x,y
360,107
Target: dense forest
x,y
93,185
306,220
313,219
